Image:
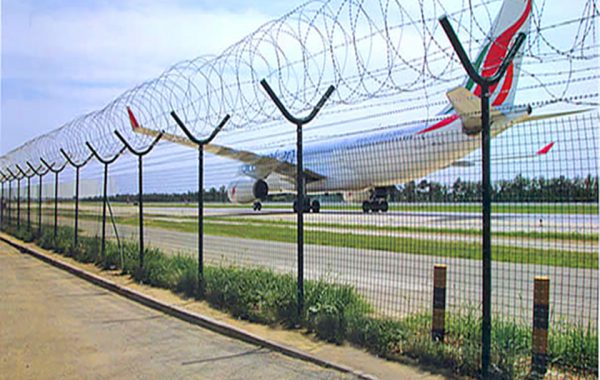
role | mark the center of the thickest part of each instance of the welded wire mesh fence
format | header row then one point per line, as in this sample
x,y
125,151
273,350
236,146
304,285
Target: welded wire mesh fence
x,y
545,223
392,189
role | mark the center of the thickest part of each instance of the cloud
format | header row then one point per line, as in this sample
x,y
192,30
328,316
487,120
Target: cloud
x,y
66,59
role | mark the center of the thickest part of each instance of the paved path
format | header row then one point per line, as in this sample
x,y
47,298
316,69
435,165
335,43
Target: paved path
x,y
57,326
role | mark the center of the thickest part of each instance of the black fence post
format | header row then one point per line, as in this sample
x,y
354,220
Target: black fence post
x,y
28,176
56,173
140,155
2,205
200,144
29,202
300,180
19,203
77,167
9,202
41,175
18,197
105,162
2,179
40,204
485,83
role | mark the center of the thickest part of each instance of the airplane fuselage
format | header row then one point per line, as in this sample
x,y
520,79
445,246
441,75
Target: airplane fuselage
x,y
376,159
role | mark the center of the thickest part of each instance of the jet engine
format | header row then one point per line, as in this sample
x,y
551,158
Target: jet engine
x,y
246,190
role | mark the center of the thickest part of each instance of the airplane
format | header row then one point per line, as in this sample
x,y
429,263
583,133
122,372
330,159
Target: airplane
x,y
364,168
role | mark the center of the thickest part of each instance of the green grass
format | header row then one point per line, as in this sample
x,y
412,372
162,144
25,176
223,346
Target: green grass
x,y
86,215
554,235
283,231
429,247
411,229
337,313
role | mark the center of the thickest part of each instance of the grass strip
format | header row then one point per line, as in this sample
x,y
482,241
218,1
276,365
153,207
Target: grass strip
x,y
576,236
429,247
554,235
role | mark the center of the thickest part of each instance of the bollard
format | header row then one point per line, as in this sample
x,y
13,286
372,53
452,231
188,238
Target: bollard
x,y
438,323
541,298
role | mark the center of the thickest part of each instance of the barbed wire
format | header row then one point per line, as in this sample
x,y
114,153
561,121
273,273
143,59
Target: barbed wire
x,y
378,54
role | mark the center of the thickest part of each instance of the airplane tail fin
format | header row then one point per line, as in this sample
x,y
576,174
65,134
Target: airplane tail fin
x,y
137,128
514,17
132,120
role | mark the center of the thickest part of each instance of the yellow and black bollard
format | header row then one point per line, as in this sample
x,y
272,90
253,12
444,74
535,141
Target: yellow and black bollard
x,y
541,298
438,325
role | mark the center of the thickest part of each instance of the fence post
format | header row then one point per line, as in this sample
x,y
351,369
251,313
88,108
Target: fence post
x,y
77,167
105,162
24,174
41,176
2,181
200,144
10,201
541,313
40,204
438,322
56,173
485,83
18,197
2,199
140,155
300,180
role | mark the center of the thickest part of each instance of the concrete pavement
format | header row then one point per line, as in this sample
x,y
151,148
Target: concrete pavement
x,y
55,325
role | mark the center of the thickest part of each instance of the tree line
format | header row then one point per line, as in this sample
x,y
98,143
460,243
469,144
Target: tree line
x,y
519,189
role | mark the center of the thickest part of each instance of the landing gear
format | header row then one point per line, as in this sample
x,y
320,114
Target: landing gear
x,y
375,206
378,201
257,206
314,206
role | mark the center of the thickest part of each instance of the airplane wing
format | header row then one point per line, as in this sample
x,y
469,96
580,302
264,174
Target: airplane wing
x,y
263,165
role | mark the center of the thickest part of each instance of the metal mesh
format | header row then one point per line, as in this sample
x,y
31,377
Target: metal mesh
x,y
544,172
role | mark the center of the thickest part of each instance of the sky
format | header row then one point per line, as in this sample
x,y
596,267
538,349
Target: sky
x,y
62,59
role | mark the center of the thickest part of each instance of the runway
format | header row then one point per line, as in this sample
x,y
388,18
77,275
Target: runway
x,y
459,219
526,222
396,284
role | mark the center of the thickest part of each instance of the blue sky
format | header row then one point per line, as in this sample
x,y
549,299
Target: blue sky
x,y
61,58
